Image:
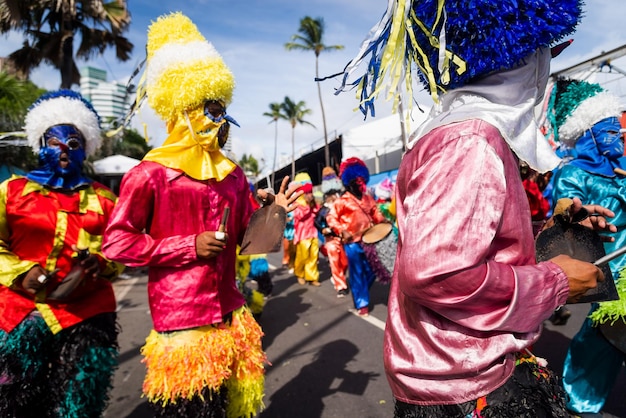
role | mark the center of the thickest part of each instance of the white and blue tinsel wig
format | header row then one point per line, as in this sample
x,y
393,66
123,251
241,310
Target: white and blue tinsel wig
x,y
63,107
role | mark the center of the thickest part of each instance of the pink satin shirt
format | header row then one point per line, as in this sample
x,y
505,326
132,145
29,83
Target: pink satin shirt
x,y
304,222
159,213
466,292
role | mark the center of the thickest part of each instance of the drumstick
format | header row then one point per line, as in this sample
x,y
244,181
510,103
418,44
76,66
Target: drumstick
x,y
603,260
222,227
617,170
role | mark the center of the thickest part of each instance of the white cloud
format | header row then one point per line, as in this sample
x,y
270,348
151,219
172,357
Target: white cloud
x,y
250,36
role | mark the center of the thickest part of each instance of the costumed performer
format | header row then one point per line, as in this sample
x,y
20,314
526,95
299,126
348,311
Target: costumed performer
x,y
467,297
351,215
337,259
586,119
289,250
305,235
204,357
58,331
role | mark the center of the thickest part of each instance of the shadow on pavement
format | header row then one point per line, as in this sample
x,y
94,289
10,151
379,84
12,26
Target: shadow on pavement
x,y
285,312
326,375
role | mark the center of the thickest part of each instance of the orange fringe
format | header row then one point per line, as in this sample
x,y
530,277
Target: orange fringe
x,y
180,364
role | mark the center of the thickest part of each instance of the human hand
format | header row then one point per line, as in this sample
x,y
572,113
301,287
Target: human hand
x,y
207,244
346,236
581,275
90,263
590,216
34,279
284,198
596,219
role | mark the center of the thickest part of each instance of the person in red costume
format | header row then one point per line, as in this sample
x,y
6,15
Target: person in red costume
x,y
539,205
351,215
337,259
58,331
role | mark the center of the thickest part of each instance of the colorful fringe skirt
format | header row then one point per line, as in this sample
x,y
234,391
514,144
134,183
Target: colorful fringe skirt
x,y
61,375
533,391
198,371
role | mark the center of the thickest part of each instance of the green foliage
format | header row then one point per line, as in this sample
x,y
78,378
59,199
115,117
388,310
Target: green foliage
x,y
249,165
129,143
311,38
21,157
50,28
15,98
295,112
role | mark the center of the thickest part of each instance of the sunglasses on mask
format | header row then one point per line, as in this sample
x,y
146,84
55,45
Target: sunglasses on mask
x,y
63,135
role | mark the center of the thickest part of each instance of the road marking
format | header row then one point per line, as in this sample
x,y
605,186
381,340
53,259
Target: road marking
x,y
272,267
125,288
372,320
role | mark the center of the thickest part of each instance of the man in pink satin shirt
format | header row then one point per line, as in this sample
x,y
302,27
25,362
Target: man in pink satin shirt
x,y
467,297
182,212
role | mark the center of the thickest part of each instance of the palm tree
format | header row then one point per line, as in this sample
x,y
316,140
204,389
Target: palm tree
x,y
275,113
49,28
15,98
14,101
294,113
310,39
249,165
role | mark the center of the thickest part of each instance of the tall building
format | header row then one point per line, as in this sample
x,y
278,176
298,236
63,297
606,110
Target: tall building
x,y
110,99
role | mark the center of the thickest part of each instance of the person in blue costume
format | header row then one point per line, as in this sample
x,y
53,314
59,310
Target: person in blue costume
x,y
587,121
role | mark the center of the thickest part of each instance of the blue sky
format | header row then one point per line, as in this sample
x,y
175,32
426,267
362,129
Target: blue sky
x,y
250,35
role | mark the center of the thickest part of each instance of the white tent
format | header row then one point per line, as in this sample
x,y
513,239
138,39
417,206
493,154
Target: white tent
x,y
114,165
379,136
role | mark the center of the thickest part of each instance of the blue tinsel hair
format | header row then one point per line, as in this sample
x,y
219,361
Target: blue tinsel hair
x,y
456,41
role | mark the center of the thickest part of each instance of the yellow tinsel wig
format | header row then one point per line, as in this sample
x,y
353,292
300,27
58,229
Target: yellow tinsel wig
x,y
183,69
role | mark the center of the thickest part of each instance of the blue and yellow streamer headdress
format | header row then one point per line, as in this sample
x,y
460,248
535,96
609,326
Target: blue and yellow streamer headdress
x,y
452,42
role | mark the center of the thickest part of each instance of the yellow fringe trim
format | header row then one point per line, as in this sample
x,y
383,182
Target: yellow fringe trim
x,y
180,364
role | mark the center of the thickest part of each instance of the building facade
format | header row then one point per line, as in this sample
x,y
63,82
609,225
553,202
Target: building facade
x,y
110,99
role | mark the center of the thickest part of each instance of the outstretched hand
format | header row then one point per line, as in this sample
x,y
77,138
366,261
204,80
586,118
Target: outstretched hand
x,y
284,198
597,219
592,216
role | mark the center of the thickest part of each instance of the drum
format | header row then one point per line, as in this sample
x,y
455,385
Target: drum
x,y
615,333
380,246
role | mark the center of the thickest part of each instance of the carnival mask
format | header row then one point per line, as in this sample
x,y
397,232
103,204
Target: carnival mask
x,y
608,139
61,158
357,187
210,125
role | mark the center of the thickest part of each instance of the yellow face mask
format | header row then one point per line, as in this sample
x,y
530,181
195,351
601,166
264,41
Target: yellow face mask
x,y
194,143
210,132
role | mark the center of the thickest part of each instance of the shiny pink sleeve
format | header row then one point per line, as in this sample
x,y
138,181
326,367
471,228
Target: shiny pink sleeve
x,y
126,240
466,254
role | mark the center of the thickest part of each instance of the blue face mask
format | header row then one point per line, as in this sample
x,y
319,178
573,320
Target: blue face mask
x,y
61,159
608,138
599,149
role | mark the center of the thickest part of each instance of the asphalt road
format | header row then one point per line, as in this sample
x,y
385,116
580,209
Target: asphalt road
x,y
326,362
